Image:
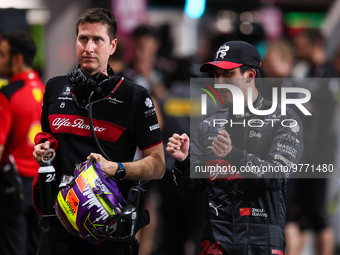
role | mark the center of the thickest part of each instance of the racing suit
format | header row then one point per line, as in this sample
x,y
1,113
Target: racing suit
x,y
246,208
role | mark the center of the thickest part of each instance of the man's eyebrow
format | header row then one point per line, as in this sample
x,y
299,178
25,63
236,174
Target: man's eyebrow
x,y
82,34
88,36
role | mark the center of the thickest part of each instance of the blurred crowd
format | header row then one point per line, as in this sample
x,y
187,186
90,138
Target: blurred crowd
x,y
176,223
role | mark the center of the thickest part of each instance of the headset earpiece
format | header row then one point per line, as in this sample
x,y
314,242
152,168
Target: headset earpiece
x,y
78,80
80,83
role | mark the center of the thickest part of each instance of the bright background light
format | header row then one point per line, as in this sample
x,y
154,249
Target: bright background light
x,y
194,8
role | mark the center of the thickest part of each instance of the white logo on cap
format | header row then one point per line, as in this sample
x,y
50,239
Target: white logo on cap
x,y
223,51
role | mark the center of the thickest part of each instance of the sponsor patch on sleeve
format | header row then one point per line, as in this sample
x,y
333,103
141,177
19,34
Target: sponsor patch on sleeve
x,y
154,127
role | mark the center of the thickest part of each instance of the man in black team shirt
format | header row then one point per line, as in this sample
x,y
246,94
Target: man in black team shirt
x,y
246,208
123,118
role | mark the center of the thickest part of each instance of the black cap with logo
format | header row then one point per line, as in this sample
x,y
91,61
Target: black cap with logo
x,y
233,54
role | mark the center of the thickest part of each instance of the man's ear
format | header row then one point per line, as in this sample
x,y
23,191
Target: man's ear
x,y
251,74
113,45
18,63
18,59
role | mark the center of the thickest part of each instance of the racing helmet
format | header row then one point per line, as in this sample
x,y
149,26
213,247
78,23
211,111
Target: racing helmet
x,y
87,203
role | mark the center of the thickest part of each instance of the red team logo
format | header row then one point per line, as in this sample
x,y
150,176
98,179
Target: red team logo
x,y
79,125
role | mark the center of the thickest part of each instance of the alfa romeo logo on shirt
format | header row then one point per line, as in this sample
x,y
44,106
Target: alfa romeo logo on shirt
x,y
148,102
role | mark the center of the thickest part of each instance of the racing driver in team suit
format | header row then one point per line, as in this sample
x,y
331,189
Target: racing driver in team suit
x,y
246,208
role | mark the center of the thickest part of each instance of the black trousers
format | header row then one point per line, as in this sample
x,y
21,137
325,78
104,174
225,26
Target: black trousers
x,y
19,230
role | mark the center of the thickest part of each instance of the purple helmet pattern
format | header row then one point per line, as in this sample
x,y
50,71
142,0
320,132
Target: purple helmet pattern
x,y
84,204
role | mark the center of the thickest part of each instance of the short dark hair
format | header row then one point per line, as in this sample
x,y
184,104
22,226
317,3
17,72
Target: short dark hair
x,y
21,43
145,30
99,15
313,35
245,68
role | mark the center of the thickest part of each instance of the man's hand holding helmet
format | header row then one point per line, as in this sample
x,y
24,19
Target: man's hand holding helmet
x,y
108,167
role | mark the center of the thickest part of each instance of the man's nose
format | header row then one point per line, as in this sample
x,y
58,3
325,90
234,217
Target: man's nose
x,y
219,80
89,46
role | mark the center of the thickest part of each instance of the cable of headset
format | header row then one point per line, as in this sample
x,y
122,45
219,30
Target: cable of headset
x,y
94,134
89,109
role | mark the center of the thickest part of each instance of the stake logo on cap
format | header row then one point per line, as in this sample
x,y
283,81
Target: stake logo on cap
x,y
233,54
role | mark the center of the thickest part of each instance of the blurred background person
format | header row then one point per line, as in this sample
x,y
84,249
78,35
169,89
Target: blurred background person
x,y
180,220
117,61
20,111
279,60
143,68
307,200
278,63
143,71
310,47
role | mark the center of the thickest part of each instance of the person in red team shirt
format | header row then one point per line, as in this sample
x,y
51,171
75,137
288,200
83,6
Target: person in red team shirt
x,y
20,112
